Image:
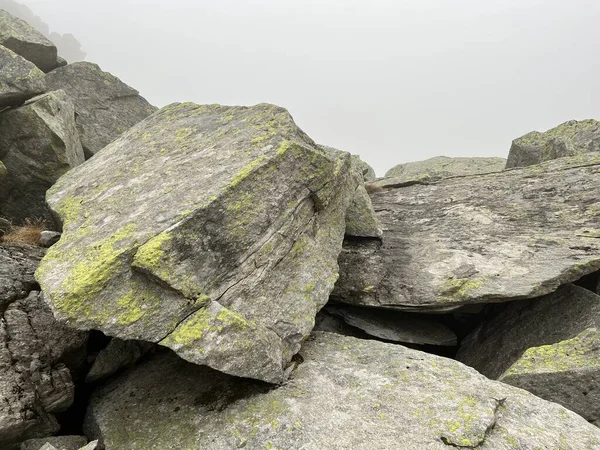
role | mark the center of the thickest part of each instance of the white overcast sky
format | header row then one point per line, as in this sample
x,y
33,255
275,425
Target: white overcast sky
x,y
393,81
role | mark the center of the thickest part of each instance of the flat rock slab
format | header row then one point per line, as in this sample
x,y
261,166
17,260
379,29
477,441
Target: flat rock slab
x,y
478,239
347,394
439,167
569,139
211,230
106,107
549,346
20,37
19,79
38,144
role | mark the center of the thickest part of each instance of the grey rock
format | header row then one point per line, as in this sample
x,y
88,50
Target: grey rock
x,y
440,167
548,346
20,37
367,171
19,79
116,356
38,144
93,445
49,238
105,106
396,326
48,446
569,139
211,230
58,442
347,394
61,62
478,239
361,220
17,266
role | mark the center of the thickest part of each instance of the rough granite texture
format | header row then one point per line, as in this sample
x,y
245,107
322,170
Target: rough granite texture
x,y
17,266
38,144
117,355
478,239
439,167
19,79
346,394
211,230
20,37
105,106
548,346
57,442
569,139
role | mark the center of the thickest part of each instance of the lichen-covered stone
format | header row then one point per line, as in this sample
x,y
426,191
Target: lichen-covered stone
x,y
19,79
478,239
105,106
38,144
211,230
20,37
548,346
366,170
346,394
569,139
439,167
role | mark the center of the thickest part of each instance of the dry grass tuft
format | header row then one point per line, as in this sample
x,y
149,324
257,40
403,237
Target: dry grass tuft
x,y
371,188
28,233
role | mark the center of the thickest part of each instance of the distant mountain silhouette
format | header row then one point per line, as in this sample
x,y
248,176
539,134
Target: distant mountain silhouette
x,y
68,47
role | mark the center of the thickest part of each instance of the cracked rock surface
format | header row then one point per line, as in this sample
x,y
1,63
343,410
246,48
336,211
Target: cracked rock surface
x,y
105,106
19,80
211,230
478,239
346,394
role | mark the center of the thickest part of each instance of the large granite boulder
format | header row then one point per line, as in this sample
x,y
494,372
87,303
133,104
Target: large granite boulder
x,y
346,394
439,167
19,79
569,139
478,239
38,144
211,230
549,346
20,37
105,106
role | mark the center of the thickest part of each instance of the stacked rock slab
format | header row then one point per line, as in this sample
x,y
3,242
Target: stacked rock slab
x,y
105,106
211,230
569,139
20,37
443,167
36,354
549,346
19,79
478,239
347,394
38,144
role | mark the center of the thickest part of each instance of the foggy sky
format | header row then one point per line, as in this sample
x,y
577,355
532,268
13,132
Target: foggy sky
x,y
393,81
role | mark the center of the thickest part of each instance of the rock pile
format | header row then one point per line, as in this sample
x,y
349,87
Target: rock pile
x,y
216,279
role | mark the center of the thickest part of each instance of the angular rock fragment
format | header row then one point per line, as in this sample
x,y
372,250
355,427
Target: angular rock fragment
x,y
346,394
396,326
17,266
478,239
19,79
58,442
211,230
20,37
38,144
569,139
117,355
367,171
105,106
439,167
549,346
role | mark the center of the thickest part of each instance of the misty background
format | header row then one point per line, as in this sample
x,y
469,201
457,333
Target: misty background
x,y
393,81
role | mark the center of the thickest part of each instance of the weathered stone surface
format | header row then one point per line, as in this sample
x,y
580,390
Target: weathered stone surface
x,y
38,144
361,220
347,394
49,238
396,326
20,37
19,79
569,139
58,442
478,239
439,167
211,230
117,355
35,381
105,106
367,171
548,346
17,266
